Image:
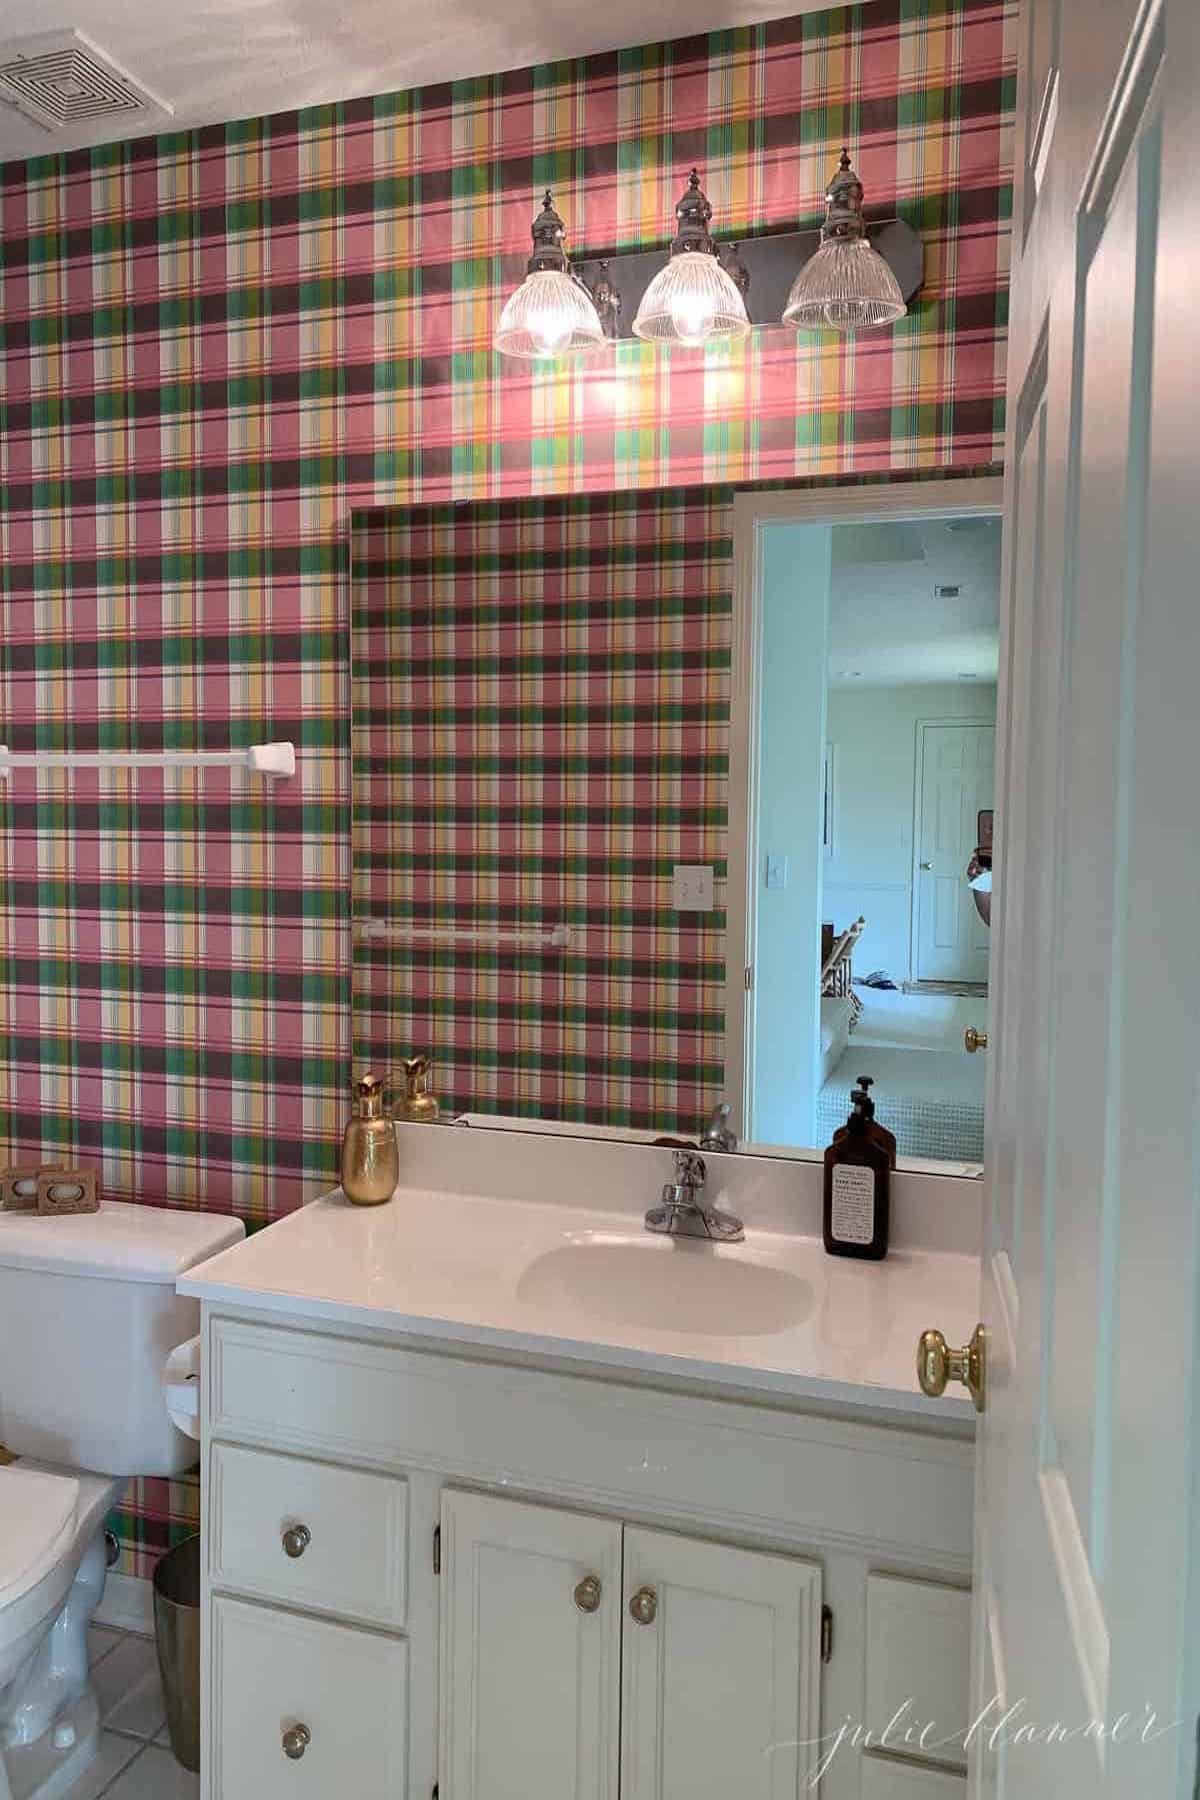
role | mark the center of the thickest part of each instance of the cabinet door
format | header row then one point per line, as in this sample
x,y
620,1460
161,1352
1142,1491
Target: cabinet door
x,y
530,1668
721,1671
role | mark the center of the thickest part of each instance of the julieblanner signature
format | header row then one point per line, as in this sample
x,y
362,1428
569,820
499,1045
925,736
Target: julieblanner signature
x,y
997,1726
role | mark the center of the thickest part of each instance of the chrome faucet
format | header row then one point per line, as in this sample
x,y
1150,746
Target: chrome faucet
x,y
717,1134
680,1213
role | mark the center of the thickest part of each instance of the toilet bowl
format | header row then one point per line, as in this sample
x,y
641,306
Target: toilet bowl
x,y
52,1568
88,1312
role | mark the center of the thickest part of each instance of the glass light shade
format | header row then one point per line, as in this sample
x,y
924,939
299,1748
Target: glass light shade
x,y
692,301
550,315
846,286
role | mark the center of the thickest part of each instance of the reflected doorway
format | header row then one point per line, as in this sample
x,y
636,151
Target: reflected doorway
x,y
870,701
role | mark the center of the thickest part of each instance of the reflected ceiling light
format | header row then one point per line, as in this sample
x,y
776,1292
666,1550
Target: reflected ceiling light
x,y
845,285
552,314
695,299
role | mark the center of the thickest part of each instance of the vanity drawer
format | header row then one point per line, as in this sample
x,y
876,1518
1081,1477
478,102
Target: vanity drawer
x,y
309,1534
918,1666
301,1709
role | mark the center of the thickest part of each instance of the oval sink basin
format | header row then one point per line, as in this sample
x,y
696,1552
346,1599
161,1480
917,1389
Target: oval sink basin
x,y
667,1284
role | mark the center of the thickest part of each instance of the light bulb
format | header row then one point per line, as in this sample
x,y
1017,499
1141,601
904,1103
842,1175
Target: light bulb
x,y
692,317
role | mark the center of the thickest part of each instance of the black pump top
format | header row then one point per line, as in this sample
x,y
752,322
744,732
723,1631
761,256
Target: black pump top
x,y
861,1096
860,1111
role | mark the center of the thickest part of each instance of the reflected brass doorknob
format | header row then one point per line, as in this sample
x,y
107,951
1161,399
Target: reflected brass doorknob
x,y
974,1040
643,1608
938,1365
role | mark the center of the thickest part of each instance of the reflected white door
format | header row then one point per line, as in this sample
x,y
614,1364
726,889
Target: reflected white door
x,y
1087,1591
957,776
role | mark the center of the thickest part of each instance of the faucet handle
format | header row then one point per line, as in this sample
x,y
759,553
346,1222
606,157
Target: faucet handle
x,y
689,1169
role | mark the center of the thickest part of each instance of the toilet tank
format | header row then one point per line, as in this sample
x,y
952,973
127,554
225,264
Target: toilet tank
x,y
88,1313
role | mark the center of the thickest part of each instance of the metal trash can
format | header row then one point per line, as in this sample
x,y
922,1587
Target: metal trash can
x,y
177,1637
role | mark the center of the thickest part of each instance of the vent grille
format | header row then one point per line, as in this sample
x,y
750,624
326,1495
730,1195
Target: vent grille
x,y
947,590
63,79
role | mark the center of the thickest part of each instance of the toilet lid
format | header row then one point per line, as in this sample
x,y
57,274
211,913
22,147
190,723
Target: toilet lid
x,y
36,1512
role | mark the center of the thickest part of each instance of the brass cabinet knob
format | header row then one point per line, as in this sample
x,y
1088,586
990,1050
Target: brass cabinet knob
x,y
296,1540
587,1594
927,865
938,1365
974,1040
296,1742
643,1608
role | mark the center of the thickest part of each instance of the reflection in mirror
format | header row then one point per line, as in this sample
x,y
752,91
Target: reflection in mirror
x,y
879,645
542,822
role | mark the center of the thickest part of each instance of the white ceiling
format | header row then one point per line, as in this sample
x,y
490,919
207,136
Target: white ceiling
x,y
215,60
888,628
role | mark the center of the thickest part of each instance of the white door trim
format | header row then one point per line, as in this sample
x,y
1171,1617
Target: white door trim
x,y
753,510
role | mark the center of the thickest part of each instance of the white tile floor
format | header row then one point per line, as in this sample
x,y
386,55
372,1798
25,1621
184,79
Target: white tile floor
x,y
135,1760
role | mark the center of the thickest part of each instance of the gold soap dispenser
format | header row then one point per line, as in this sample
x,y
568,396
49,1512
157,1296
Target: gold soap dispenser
x,y
370,1161
417,1105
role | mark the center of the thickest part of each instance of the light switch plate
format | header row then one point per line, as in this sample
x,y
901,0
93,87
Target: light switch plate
x,y
692,889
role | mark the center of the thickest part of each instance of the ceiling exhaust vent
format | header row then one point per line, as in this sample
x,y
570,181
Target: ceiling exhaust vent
x,y
62,79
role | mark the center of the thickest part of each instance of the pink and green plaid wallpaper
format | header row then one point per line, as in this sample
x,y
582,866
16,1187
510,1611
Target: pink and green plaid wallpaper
x,y
540,733
216,346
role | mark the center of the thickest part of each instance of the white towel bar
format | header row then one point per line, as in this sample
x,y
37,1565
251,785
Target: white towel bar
x,y
272,760
557,939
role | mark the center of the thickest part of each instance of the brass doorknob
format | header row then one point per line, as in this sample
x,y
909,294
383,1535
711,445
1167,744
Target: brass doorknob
x,y
296,1741
974,1040
587,1594
296,1540
938,1365
643,1608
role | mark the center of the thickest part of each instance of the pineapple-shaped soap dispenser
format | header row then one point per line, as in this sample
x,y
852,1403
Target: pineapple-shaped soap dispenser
x,y
370,1161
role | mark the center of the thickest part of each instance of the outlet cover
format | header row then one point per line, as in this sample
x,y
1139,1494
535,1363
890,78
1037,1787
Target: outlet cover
x,y
692,888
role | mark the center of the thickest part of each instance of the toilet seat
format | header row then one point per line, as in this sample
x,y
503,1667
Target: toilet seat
x,y
37,1520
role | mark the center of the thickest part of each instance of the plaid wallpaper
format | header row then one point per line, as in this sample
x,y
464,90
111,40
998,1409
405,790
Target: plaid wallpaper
x,y
541,725
215,345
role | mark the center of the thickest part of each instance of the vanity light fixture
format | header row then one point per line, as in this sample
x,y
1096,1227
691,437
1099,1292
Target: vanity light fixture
x,y
846,285
695,300
553,313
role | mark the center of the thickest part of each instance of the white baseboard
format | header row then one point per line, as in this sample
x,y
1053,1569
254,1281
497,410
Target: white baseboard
x,y
127,1604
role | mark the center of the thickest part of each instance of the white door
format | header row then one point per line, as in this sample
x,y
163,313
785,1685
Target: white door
x,y
530,1652
957,775
721,1671
1087,1588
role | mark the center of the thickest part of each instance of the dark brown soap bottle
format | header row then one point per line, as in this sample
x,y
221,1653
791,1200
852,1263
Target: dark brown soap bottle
x,y
857,1170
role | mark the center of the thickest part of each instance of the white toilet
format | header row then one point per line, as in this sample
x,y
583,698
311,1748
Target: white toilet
x,y
88,1314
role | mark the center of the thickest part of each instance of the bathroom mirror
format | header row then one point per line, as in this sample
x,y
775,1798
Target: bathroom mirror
x,y
670,798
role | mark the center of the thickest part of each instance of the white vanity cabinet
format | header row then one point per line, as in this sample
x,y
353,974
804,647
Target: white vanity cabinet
x,y
433,1570
582,1659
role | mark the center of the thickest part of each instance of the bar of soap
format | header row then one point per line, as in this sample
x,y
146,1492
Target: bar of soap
x,y
61,1191
19,1187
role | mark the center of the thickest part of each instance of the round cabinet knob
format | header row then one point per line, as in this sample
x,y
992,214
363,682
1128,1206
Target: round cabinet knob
x,y
296,1540
296,1742
975,1040
587,1594
643,1608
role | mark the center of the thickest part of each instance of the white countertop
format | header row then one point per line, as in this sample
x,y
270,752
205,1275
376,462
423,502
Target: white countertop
x,y
788,1321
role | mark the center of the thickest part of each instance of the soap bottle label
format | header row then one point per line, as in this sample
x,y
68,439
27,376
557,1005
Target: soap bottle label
x,y
852,1218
